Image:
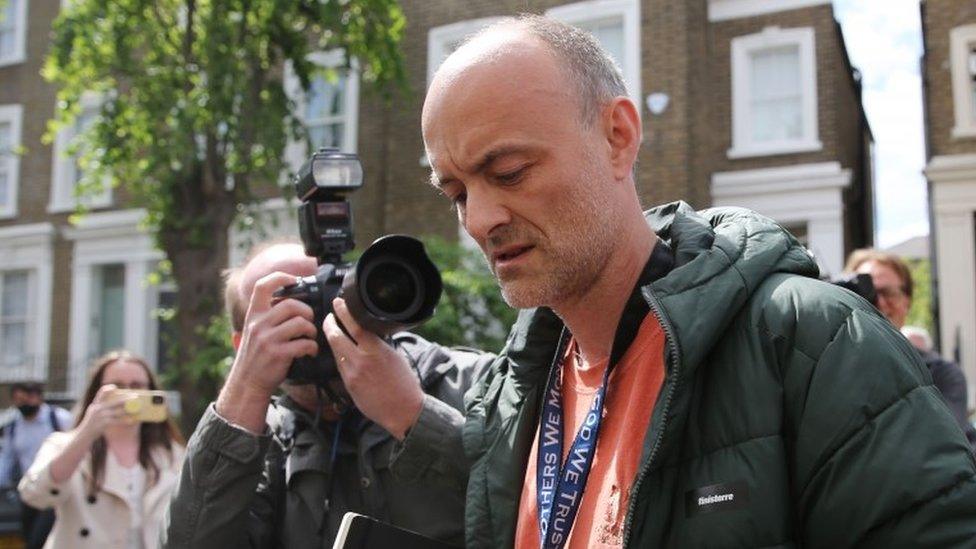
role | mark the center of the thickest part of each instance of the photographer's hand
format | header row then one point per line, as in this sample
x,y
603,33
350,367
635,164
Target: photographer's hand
x,y
274,335
380,381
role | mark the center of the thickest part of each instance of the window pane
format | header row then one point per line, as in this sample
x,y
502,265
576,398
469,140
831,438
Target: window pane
x,y
5,138
85,119
5,161
13,343
776,120
324,112
4,193
972,76
776,73
325,98
610,34
110,321
776,103
325,135
13,301
8,30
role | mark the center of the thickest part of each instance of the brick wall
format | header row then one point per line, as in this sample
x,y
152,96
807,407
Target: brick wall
x,y
941,16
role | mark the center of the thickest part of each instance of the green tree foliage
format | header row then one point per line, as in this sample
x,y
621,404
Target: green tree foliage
x,y
194,116
921,312
471,312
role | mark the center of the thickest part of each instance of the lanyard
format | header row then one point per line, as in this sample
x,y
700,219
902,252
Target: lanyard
x,y
559,488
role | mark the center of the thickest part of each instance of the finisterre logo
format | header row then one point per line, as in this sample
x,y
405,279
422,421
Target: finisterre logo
x,y
715,499
726,496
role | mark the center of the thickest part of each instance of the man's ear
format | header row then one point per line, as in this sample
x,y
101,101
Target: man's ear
x,y
235,340
623,131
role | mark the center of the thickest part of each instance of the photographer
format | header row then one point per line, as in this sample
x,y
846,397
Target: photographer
x,y
893,286
284,474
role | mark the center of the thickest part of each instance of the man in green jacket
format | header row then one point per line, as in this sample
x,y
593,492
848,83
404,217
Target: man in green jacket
x,y
283,474
787,413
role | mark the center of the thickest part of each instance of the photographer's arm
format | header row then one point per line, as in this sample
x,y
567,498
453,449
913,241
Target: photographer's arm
x,y
424,415
433,450
220,500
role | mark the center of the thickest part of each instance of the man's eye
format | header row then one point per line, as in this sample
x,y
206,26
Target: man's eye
x,y
458,200
510,177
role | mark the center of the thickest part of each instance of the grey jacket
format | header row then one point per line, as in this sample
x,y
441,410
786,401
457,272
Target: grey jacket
x,y
241,490
951,382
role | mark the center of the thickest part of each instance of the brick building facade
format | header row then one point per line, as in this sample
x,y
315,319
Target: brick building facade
x,y
949,86
744,102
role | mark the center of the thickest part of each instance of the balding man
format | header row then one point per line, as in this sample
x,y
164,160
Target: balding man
x,y
284,475
707,390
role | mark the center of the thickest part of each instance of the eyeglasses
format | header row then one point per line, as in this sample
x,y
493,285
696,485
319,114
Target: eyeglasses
x,y
128,385
890,293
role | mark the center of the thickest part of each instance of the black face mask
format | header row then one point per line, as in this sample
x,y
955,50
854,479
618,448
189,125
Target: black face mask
x,y
28,410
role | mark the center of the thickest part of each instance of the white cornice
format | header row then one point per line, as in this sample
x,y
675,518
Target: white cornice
x,y
956,167
106,224
17,235
723,10
781,179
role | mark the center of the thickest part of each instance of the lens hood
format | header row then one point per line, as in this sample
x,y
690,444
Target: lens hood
x,y
393,287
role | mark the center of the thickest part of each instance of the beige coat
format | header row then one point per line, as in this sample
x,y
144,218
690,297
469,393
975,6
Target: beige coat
x,y
103,521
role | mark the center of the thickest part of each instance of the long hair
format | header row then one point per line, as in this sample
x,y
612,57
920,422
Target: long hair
x,y
151,435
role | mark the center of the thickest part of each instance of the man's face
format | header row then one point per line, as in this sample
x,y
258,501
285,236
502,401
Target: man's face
x,y
529,181
892,300
20,397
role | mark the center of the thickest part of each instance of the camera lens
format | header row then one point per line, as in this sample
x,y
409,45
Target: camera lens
x,y
157,399
392,287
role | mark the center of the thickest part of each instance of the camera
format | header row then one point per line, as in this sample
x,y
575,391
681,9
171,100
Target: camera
x,y
393,286
859,283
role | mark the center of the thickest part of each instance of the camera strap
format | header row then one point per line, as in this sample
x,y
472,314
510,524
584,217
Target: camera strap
x,y
560,485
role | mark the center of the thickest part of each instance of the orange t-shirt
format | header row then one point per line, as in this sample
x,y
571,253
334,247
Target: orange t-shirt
x,y
632,390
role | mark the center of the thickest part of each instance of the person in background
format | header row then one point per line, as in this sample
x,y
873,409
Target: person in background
x,y
894,287
108,479
33,422
919,337
265,471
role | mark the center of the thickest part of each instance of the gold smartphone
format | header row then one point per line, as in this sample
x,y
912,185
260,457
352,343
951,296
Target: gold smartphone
x,y
145,406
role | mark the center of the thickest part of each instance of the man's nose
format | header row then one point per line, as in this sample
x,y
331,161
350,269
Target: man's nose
x,y
484,211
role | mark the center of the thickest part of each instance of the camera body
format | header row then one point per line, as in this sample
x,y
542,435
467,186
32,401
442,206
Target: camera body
x,y
859,283
392,287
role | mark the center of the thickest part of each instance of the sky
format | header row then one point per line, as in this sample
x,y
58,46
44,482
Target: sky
x,y
884,41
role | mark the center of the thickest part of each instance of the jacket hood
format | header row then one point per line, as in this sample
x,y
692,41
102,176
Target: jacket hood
x,y
721,256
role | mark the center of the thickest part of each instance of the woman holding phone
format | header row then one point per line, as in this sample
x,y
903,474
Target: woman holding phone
x,y
109,479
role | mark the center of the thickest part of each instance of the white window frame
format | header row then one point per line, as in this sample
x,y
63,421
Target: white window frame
x,y
19,55
724,10
629,11
296,152
65,169
743,49
106,238
28,248
961,40
14,115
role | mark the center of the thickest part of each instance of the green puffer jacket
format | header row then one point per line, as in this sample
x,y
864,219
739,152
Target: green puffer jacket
x,y
793,401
